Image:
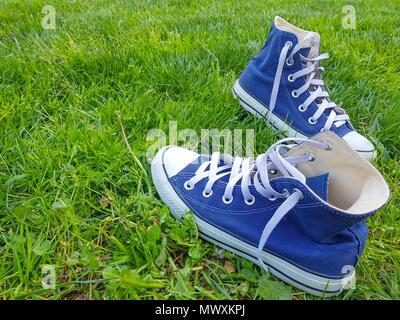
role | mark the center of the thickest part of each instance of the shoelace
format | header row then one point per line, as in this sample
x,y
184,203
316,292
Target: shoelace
x,y
248,171
312,69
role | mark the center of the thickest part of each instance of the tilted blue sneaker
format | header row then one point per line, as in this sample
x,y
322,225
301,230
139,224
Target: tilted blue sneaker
x,y
297,210
283,84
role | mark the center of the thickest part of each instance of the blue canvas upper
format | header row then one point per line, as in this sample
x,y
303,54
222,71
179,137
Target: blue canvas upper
x,y
314,235
258,77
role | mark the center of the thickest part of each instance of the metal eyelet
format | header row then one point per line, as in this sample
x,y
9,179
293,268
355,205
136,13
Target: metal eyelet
x,y
288,43
311,155
289,62
329,148
272,198
207,195
295,94
302,108
187,186
298,190
312,121
227,201
249,203
290,78
286,193
273,171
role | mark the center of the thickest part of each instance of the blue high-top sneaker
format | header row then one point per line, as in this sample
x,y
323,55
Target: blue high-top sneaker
x,y
297,210
283,84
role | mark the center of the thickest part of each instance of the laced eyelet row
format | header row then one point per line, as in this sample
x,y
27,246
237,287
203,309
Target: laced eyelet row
x,y
205,194
295,94
290,55
290,61
249,202
304,109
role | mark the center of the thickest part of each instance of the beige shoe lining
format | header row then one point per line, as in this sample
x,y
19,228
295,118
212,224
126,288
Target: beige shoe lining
x,y
355,186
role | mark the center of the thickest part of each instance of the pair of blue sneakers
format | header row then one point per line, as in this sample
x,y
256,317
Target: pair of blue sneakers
x,y
299,209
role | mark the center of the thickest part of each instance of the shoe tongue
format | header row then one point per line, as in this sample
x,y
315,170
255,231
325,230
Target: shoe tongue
x,y
319,184
314,45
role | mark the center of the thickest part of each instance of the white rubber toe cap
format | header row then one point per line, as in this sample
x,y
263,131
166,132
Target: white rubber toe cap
x,y
361,144
169,161
176,158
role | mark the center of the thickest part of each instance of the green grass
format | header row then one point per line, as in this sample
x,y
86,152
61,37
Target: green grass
x,y
73,196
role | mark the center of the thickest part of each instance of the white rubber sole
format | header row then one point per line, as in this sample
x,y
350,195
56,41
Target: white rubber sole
x,y
256,108
314,284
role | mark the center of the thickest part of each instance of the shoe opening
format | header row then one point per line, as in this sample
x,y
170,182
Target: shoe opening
x,y
355,186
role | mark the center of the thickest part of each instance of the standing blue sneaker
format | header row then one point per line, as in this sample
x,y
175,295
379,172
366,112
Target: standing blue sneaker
x,y
283,84
298,211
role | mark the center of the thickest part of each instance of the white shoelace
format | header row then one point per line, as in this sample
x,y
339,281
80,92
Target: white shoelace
x,y
248,171
312,69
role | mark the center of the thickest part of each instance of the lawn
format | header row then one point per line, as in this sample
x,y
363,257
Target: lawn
x,y
78,207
